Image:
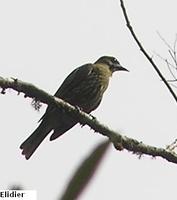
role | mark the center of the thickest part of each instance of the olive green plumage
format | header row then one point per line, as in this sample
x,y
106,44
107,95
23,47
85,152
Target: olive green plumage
x,y
84,87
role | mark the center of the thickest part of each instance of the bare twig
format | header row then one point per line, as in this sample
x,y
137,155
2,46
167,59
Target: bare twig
x,y
144,51
172,51
174,80
165,60
171,72
172,146
174,85
119,141
172,54
164,41
169,66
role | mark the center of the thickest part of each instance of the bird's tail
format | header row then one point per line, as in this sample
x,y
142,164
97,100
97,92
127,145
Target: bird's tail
x,y
34,140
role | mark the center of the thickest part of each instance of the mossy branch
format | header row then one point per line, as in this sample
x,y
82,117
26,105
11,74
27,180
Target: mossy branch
x,y
119,141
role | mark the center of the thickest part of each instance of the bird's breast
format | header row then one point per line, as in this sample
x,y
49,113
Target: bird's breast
x,y
89,93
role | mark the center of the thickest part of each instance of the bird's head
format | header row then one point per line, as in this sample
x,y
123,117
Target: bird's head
x,y
111,62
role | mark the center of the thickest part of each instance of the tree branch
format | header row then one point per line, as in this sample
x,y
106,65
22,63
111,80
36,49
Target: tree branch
x,y
119,141
144,51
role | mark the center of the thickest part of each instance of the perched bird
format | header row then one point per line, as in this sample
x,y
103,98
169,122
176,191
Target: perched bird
x,y
84,88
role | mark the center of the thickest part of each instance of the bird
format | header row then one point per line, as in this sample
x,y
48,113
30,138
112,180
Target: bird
x,y
83,88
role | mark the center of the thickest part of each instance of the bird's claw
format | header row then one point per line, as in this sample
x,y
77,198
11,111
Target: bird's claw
x,y
93,117
78,108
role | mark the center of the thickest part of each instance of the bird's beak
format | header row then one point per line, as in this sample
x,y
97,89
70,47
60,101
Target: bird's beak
x,y
119,67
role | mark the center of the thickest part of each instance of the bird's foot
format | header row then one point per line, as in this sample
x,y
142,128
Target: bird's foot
x,y
78,108
93,117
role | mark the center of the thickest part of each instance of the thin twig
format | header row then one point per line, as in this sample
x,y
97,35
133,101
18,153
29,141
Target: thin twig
x,y
172,54
172,51
172,146
174,80
171,72
174,47
164,59
145,52
164,41
174,85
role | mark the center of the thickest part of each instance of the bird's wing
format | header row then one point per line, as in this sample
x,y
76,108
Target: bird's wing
x,y
73,80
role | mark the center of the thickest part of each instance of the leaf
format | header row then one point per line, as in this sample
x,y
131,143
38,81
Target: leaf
x,y
85,172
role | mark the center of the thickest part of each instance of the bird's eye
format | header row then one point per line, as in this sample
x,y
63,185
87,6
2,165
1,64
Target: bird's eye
x,y
115,60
